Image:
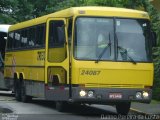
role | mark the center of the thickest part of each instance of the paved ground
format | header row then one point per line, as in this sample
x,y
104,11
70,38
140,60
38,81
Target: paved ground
x,y
45,110
152,108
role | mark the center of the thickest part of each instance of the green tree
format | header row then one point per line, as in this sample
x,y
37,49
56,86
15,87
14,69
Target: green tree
x,y
22,11
6,7
155,20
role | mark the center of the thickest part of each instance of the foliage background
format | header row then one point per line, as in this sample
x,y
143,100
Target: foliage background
x,y
13,11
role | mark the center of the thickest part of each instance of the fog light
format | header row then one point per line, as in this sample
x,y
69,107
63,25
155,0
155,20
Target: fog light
x,y
82,93
90,93
145,95
139,95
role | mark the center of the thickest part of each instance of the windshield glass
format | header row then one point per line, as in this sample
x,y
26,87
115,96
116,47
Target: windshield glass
x,y
92,37
133,40
102,39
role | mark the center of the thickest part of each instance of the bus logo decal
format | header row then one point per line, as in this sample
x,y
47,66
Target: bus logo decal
x,y
40,55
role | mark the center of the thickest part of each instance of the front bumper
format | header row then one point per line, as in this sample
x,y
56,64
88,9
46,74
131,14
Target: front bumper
x,y
110,95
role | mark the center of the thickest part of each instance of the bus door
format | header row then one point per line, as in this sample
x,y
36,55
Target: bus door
x,y
57,60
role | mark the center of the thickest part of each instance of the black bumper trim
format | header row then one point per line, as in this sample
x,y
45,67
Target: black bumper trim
x,y
102,95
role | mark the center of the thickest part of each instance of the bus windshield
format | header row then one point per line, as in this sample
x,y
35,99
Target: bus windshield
x,y
102,39
133,39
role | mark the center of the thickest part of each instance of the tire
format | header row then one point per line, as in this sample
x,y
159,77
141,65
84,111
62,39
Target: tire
x,y
25,98
123,108
61,106
15,85
18,91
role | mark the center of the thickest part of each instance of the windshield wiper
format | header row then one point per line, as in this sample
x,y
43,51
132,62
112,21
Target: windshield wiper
x,y
123,49
125,52
101,54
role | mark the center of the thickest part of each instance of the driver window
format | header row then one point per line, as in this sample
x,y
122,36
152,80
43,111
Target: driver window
x,y
56,43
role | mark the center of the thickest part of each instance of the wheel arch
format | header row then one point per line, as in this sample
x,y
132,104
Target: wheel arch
x,y
16,75
21,76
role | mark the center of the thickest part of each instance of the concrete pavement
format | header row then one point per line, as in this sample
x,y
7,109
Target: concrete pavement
x,y
152,108
6,97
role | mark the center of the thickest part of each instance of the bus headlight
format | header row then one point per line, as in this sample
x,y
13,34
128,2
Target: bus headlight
x,y
145,95
82,93
90,94
139,95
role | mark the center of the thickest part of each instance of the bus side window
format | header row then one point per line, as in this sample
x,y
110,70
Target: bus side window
x,y
17,38
24,39
10,40
31,37
40,35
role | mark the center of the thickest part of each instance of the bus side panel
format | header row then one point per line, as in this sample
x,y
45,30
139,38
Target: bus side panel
x,y
8,80
34,82
31,64
35,89
58,94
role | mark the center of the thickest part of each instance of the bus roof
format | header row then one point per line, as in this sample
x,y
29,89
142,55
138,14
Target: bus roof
x,y
84,11
4,28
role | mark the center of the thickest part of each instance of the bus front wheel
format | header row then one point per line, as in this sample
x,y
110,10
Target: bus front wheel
x,y
123,108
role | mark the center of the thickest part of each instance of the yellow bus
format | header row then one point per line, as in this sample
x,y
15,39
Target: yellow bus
x,y
92,55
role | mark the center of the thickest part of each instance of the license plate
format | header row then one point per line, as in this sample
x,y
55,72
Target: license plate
x,y
115,96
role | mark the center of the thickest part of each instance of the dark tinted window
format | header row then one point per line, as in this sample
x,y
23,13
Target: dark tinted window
x,y
40,35
10,40
24,39
56,34
17,39
31,36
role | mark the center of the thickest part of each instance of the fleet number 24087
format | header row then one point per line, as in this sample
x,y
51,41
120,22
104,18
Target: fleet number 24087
x,y
90,72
